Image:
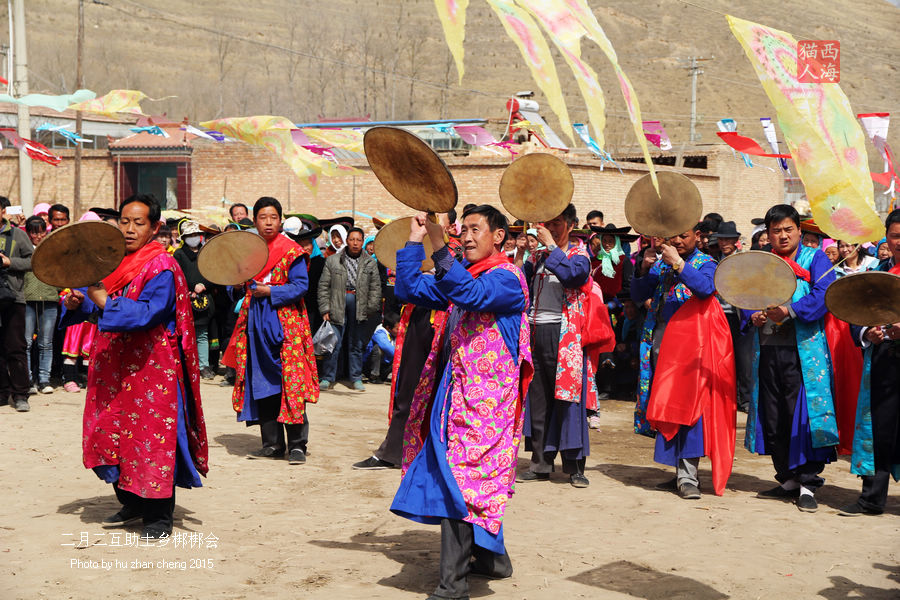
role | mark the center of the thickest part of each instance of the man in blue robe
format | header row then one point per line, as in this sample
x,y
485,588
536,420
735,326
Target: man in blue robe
x,y
791,415
683,272
461,474
275,367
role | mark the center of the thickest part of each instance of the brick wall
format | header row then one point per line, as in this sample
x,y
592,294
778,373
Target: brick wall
x,y
238,172
55,185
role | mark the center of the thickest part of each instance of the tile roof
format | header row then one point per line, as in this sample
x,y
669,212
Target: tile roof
x,y
144,140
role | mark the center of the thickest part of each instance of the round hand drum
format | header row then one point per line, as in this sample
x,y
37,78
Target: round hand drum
x,y
79,254
869,299
755,280
410,170
393,237
233,257
676,209
536,187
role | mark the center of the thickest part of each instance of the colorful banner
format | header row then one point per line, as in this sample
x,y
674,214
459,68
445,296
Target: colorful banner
x,y
151,129
726,125
33,149
274,134
452,14
772,138
582,131
746,145
821,132
346,139
57,103
566,32
582,12
65,132
656,135
113,103
525,33
475,135
876,126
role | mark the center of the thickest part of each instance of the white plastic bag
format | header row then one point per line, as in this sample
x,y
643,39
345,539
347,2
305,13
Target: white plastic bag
x,y
325,339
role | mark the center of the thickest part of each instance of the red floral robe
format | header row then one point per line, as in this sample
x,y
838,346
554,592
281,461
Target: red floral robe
x,y
299,380
131,407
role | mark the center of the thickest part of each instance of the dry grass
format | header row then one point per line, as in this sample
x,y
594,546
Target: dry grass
x,y
136,44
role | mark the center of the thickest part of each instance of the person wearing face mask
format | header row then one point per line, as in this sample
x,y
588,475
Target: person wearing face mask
x,y
202,304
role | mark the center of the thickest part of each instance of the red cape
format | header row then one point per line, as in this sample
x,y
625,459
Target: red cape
x,y
847,365
694,377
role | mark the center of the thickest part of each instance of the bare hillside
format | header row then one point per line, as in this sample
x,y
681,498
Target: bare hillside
x,y
387,59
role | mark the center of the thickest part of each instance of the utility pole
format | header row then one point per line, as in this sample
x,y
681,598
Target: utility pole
x,y
26,194
79,84
695,70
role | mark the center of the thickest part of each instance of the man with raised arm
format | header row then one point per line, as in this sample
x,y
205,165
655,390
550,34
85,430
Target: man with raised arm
x,y
462,435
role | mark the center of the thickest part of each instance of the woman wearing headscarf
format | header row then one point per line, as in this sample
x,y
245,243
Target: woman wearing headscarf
x,y
610,266
337,239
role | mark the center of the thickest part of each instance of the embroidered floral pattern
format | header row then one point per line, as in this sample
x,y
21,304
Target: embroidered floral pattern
x,y
485,416
300,380
131,407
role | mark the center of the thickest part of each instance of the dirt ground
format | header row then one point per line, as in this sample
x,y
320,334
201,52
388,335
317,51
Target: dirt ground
x,y
323,530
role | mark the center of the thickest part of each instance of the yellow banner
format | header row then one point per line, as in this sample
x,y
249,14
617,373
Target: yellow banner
x,y
274,134
528,37
822,133
452,14
113,103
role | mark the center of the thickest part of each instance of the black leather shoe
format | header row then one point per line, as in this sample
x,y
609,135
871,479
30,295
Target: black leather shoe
x,y
579,480
127,514
779,493
266,452
807,503
532,476
855,510
373,463
689,491
296,457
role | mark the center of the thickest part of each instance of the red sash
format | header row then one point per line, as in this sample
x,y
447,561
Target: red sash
x,y
847,362
130,266
498,258
279,246
798,270
694,377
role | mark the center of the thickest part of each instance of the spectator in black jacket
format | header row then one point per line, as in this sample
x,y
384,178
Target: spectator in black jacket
x,y
15,261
